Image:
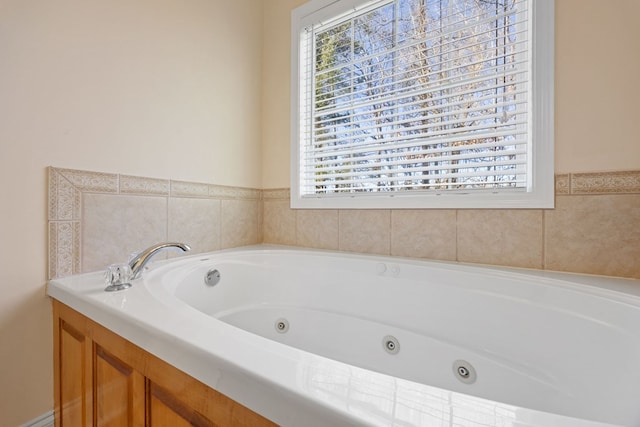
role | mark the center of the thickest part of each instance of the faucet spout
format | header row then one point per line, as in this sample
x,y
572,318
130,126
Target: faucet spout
x,y
138,262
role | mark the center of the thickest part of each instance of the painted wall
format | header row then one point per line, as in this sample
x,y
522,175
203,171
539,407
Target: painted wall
x,y
157,88
276,81
597,85
597,88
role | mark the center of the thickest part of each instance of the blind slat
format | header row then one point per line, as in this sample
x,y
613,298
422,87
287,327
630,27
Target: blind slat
x,y
412,108
416,141
393,80
470,85
440,35
416,159
356,130
389,190
394,71
401,174
442,175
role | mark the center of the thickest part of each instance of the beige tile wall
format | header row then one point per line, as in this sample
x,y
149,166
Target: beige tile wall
x,y
96,219
595,228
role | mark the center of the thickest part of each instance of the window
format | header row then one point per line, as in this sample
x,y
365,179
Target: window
x,y
422,103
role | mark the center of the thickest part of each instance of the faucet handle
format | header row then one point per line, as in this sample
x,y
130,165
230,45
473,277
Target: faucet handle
x,y
117,277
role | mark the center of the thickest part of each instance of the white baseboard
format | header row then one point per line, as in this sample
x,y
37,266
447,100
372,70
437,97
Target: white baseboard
x,y
45,420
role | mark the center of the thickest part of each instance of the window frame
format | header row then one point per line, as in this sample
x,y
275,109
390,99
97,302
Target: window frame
x,y
541,192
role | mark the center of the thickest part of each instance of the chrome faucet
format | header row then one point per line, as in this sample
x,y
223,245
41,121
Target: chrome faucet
x,y
138,262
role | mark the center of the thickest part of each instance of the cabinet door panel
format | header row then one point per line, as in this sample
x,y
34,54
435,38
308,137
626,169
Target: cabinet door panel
x,y
75,377
119,392
167,411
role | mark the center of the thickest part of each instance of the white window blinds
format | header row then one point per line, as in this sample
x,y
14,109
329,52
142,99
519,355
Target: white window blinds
x,y
416,97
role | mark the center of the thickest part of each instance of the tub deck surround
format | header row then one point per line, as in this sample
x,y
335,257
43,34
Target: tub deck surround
x,y
174,315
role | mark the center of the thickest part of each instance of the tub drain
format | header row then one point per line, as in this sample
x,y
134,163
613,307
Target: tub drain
x,y
282,325
464,371
391,344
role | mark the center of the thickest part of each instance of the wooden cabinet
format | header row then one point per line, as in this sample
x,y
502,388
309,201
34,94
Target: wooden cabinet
x,y
103,380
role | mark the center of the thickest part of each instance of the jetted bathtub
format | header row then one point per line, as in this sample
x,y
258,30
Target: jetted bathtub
x,y
317,338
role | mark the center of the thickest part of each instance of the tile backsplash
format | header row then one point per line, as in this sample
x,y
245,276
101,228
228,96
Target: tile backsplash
x,y
594,228
96,219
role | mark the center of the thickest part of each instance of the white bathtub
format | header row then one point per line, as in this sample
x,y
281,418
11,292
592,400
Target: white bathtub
x,y
314,338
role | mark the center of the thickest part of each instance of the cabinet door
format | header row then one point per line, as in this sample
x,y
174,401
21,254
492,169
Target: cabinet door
x,y
118,392
74,386
167,411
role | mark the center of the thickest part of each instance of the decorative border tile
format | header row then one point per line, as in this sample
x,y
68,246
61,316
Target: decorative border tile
x,y
64,198
189,189
53,250
563,184
144,186
223,192
91,181
276,194
626,182
64,248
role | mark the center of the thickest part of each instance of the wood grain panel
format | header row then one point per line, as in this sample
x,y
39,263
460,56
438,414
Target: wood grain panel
x,y
74,387
119,392
165,410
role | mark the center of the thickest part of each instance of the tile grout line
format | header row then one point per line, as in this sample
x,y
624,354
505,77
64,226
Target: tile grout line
x,y
456,236
339,239
390,232
544,240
